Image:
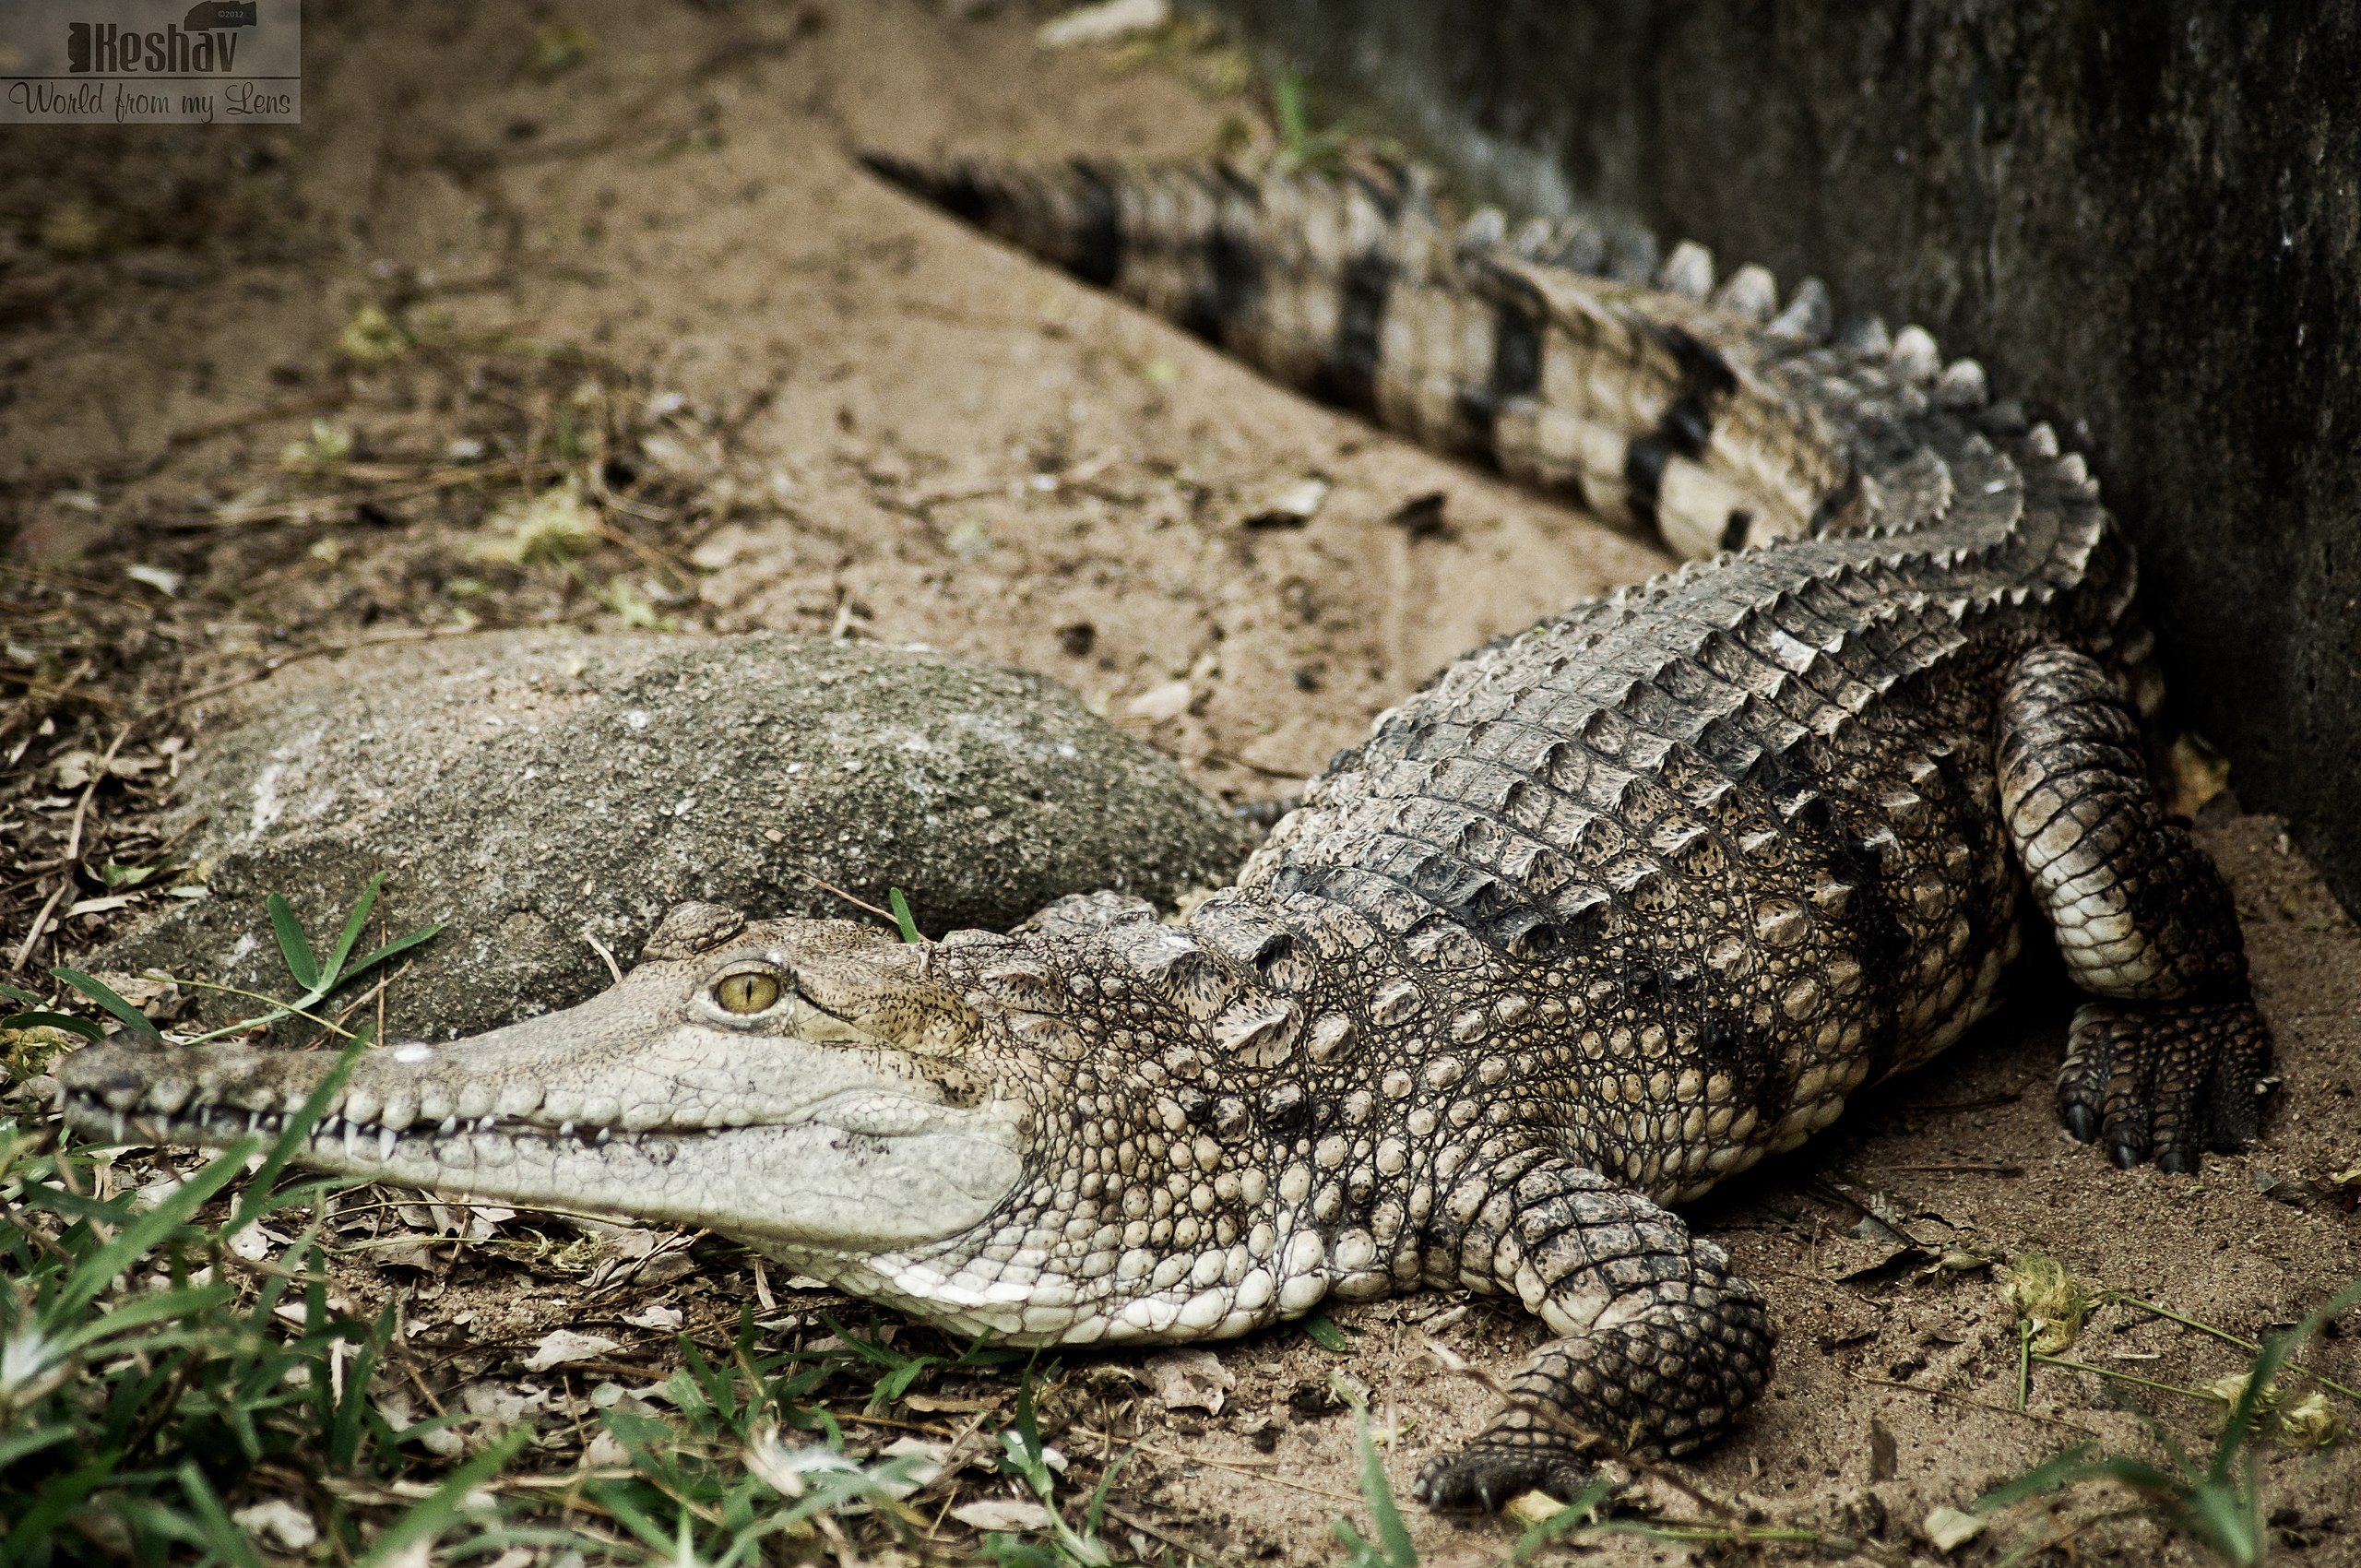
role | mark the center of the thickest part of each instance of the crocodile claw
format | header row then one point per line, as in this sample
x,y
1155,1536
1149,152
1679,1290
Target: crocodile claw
x,y
2166,1081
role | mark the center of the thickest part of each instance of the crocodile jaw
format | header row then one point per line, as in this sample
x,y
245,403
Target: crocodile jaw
x,y
628,1104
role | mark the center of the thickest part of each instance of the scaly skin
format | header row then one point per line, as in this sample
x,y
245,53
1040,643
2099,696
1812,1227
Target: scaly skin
x,y
1612,908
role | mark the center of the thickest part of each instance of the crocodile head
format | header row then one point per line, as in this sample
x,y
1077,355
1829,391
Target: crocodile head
x,y
803,1085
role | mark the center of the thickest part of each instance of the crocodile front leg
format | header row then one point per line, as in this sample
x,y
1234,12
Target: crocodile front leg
x,y
1660,1344
2176,1059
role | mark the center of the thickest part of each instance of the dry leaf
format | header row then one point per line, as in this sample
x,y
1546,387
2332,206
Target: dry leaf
x,y
1103,23
1191,1380
1948,1529
1290,506
2199,773
561,1346
1002,1513
657,1315
281,1521
1157,703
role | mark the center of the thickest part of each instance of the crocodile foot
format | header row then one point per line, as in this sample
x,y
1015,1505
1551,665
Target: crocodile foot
x,y
2165,1080
1487,1472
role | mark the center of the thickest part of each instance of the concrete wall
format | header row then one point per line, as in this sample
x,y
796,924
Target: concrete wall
x,y
2146,219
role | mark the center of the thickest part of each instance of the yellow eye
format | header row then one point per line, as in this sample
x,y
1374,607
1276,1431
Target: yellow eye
x,y
746,993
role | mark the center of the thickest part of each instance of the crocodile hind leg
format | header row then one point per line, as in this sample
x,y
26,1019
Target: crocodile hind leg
x,y
1660,1344
2175,1059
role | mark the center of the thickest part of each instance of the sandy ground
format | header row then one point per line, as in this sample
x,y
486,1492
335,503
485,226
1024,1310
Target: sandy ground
x,y
825,408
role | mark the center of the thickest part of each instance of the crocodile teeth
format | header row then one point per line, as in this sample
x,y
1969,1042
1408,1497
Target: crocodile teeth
x,y
450,1125
1808,317
386,1138
565,1129
1962,385
352,1133
1750,293
604,1133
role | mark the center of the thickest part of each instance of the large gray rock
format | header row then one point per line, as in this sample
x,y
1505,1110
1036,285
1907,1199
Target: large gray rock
x,y
524,787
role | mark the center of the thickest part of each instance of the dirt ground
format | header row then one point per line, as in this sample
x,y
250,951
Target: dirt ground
x,y
627,242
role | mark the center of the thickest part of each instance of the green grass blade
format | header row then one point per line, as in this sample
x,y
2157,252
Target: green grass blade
x,y
2058,1470
1325,1334
16,1447
148,1307
2265,1371
435,1512
399,944
94,1273
1092,1515
14,994
256,1200
903,921
293,945
1359,1554
2139,1476
630,1515
227,1541
2226,1518
352,924
133,1018
1287,101
1385,1517
70,1024
29,1538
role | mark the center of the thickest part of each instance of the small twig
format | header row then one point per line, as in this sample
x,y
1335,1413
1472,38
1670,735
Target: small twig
x,y
25,949
1950,1397
601,949
2126,1377
276,662
1249,1470
73,851
1233,760
296,408
856,903
311,509
384,980
82,807
1196,1550
258,996
2025,1361
653,560
2229,1338
1962,1167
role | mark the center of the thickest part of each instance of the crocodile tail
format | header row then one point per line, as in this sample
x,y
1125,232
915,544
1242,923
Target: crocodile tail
x,y
1532,350
1708,411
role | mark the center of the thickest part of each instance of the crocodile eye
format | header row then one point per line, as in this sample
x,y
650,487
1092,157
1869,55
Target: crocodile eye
x,y
748,992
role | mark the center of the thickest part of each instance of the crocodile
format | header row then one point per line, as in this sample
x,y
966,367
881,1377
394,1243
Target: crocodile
x,y
1613,907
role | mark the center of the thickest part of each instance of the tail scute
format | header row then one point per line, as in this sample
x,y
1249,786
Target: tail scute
x,y
1064,213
